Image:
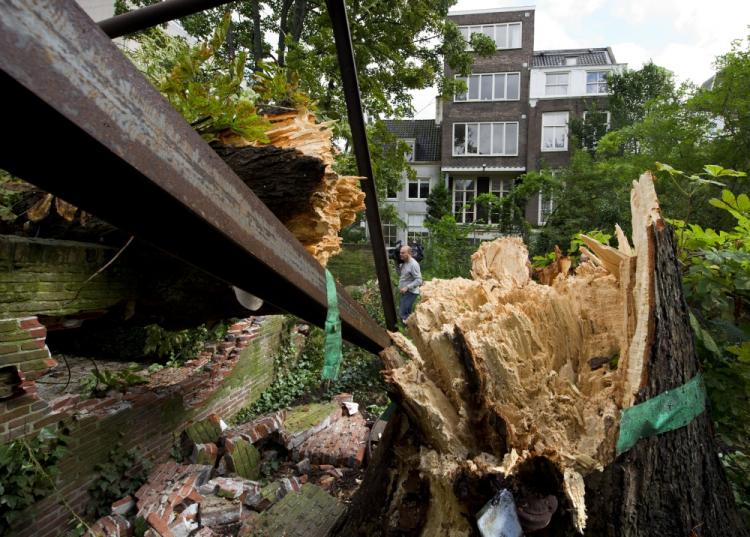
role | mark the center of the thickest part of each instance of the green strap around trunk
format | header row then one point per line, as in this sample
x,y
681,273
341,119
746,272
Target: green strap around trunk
x,y
665,412
333,332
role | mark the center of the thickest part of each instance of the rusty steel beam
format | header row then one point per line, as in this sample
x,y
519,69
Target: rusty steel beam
x,y
87,126
345,52
159,13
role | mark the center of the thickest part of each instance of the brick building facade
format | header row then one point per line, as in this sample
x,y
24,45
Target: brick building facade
x,y
516,114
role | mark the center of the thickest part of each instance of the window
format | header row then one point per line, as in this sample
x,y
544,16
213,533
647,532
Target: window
x,y
596,82
546,206
557,84
498,139
464,194
555,131
391,195
506,35
389,233
419,188
595,124
410,153
491,87
420,237
415,220
500,188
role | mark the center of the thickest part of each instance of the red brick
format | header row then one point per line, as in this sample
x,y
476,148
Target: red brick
x,y
16,412
38,332
29,418
31,322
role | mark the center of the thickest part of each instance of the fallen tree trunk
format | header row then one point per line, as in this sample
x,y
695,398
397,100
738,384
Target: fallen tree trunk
x,y
519,385
292,174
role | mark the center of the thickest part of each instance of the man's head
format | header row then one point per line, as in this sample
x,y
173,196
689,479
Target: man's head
x,y
405,253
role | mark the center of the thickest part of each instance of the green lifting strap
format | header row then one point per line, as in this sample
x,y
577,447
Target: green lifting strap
x,y
665,412
333,332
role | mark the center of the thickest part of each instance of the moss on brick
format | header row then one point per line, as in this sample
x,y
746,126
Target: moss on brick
x,y
303,417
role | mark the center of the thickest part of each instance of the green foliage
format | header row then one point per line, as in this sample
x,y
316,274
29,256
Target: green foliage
x,y
438,203
633,90
101,381
179,346
209,93
447,253
293,377
716,279
121,475
727,102
28,468
278,86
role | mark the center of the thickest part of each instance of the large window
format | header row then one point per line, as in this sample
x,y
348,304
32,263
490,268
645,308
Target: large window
x,y
595,125
420,237
596,82
500,188
506,35
555,131
415,220
419,188
493,139
464,194
389,233
546,206
491,87
556,84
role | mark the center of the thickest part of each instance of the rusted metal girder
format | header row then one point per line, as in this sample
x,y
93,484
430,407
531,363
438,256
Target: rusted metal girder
x,y
159,13
87,126
348,66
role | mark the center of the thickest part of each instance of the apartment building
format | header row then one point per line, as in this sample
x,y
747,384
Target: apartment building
x,y
515,115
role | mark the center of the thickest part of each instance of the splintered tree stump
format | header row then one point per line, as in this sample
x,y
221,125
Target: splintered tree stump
x,y
510,383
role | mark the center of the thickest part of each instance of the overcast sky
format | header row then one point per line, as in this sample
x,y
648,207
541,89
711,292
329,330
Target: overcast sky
x,y
682,35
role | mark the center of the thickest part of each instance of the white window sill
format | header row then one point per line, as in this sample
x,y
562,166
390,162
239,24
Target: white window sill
x,y
554,150
485,156
488,101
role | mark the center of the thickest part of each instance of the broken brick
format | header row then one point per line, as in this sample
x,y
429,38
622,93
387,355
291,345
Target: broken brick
x,y
215,511
242,457
204,454
123,506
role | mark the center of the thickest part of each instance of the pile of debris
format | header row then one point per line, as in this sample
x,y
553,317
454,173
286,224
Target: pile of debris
x,y
275,475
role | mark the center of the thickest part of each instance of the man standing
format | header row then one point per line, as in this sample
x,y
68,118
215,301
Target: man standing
x,y
409,281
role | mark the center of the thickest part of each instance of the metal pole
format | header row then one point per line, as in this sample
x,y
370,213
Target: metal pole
x,y
345,52
159,13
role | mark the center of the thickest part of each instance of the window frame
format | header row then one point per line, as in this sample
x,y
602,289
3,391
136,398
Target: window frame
x,y
540,212
493,99
598,83
492,130
419,181
386,234
412,143
500,193
507,25
547,85
609,116
464,192
554,127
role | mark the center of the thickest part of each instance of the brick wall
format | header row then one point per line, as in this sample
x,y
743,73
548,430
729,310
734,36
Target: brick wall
x,y
46,277
222,379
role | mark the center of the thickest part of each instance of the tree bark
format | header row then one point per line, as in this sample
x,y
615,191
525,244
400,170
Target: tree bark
x,y
512,384
671,484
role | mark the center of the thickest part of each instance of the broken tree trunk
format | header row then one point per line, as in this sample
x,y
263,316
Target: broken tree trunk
x,y
292,174
520,385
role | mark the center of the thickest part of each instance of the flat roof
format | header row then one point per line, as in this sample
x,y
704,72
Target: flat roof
x,y
492,10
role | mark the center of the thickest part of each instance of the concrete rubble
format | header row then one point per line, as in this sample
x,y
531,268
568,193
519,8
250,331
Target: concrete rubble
x,y
238,480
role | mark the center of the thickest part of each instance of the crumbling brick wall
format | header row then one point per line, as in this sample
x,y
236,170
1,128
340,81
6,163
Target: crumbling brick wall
x,y
224,378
